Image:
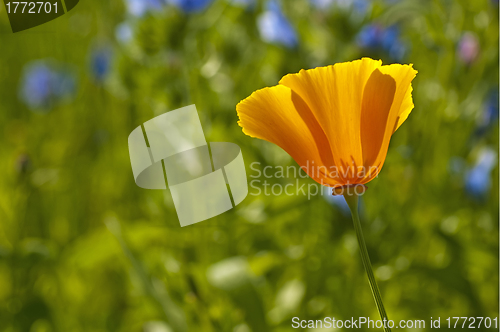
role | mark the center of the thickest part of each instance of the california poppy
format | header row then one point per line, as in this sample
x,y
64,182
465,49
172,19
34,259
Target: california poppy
x,y
335,121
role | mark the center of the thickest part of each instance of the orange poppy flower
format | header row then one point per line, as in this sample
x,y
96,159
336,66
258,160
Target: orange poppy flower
x,y
335,121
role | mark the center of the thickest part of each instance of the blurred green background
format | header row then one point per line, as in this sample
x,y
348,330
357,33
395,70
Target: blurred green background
x,y
82,248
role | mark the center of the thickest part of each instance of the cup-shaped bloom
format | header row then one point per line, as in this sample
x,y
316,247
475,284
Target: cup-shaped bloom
x,y
335,121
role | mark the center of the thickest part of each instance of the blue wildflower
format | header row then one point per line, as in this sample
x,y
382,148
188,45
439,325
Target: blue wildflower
x,y
124,32
36,88
370,36
375,37
489,115
491,109
322,4
41,86
389,37
191,6
358,6
478,179
361,6
274,27
100,63
140,7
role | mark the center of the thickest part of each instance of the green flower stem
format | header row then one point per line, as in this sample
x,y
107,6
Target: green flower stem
x,y
352,201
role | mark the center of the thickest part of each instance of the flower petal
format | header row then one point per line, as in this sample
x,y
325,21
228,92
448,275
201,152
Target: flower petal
x,y
278,115
400,109
334,95
403,102
378,97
